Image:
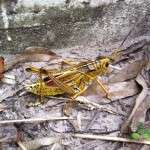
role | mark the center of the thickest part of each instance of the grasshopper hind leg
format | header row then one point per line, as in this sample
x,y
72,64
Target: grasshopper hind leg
x,y
72,101
40,99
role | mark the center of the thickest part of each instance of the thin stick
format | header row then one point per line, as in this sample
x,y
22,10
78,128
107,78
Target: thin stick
x,y
90,104
34,120
21,145
110,138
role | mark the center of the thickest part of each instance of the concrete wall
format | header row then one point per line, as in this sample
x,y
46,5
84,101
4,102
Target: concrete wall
x,y
66,23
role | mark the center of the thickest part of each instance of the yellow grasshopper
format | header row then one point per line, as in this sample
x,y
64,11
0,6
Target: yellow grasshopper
x,y
73,80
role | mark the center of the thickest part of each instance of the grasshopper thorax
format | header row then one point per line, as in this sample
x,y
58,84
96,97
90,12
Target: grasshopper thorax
x,y
100,65
97,67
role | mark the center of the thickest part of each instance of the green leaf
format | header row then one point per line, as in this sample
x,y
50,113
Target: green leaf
x,y
135,136
141,133
146,136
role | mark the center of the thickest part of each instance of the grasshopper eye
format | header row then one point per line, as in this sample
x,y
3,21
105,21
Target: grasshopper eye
x,y
28,69
107,64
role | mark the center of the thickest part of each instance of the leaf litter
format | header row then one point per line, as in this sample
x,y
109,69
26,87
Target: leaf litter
x,y
85,120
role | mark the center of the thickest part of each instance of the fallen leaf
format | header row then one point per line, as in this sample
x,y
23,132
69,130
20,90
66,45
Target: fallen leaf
x,y
124,89
129,71
2,107
133,48
140,80
140,114
31,54
8,91
1,67
8,132
39,50
37,143
116,90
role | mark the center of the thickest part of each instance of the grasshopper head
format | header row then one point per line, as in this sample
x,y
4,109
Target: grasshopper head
x,y
103,63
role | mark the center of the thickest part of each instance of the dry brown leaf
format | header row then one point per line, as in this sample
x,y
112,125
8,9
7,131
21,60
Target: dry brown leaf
x,y
129,71
1,67
140,80
8,133
140,114
124,89
39,50
133,48
31,54
37,143
116,90
2,107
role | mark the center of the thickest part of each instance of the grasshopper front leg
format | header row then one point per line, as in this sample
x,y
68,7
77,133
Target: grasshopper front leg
x,y
100,84
72,100
67,89
104,89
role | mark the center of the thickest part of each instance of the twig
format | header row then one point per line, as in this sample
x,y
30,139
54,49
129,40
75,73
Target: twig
x,y
110,138
34,120
91,105
21,145
3,139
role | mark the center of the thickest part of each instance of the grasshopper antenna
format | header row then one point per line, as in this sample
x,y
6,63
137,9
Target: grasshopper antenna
x,y
129,33
116,54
